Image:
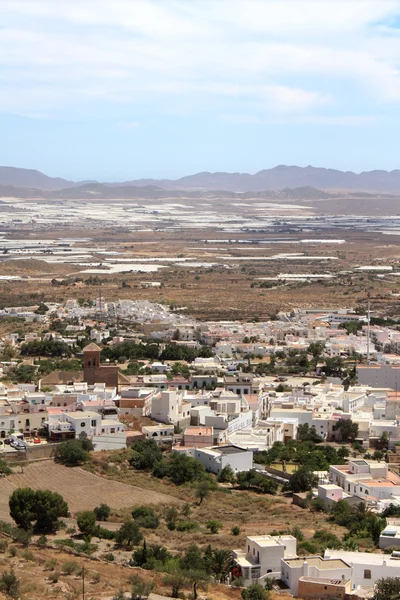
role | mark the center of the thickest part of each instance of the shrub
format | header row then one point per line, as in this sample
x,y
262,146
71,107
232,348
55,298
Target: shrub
x,y
255,592
235,530
214,525
71,453
109,557
41,541
50,564
3,546
102,512
96,577
69,568
13,551
128,535
86,521
187,526
9,584
54,577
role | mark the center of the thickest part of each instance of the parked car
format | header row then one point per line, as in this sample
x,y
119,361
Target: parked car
x,y
36,440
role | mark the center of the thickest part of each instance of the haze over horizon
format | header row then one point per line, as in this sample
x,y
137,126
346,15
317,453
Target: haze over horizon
x,y
150,89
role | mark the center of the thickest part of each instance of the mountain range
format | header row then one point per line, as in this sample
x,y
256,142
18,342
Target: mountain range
x,y
278,178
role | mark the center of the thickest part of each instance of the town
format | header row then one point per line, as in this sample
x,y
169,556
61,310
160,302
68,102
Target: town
x,y
305,407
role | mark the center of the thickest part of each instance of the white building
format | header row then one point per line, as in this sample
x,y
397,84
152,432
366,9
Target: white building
x,y
262,556
330,567
215,458
366,567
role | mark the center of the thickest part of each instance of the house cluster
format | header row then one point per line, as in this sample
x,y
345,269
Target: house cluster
x,y
75,411
336,574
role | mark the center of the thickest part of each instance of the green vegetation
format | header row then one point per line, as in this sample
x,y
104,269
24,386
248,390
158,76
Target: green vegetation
x,y
153,351
50,348
73,452
359,520
9,584
37,510
313,455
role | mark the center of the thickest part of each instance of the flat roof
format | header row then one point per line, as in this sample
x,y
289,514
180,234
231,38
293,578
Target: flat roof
x,y
318,561
231,449
270,540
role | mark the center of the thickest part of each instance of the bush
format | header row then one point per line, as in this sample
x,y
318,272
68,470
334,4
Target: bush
x,y
186,526
255,592
96,577
3,546
86,521
235,530
42,541
50,564
102,512
128,535
9,584
13,551
109,557
69,568
214,525
145,517
72,453
54,576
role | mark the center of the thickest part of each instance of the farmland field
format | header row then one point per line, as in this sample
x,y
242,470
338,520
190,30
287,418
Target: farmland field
x,y
80,489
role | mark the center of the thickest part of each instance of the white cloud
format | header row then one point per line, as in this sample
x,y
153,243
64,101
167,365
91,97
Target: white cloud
x,y
293,56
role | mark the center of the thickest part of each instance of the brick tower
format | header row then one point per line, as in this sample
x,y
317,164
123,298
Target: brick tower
x,y
91,363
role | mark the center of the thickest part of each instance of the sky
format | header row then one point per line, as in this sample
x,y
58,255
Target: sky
x,y
126,89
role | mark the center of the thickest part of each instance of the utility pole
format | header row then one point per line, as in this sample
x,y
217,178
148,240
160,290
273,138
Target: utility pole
x,y
83,583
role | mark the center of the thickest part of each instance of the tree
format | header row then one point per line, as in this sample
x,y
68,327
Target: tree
x,y
197,578
227,475
9,584
22,505
102,512
176,580
128,535
302,480
214,525
140,589
146,454
71,453
347,430
50,507
255,592
184,469
202,490
387,588
192,559
86,521
40,509
219,563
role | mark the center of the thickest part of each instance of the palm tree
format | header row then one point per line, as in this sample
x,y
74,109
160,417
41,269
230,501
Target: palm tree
x,y
219,564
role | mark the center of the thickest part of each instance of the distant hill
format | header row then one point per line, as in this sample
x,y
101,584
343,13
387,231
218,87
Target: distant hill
x,y
282,177
29,178
99,191
279,178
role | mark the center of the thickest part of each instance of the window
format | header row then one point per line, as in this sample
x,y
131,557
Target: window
x,y
367,573
94,422
83,424
112,430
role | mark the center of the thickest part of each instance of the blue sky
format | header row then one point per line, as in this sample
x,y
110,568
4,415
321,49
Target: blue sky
x,y
123,89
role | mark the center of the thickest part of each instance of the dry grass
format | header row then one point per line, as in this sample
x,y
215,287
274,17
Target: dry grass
x,y
80,489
